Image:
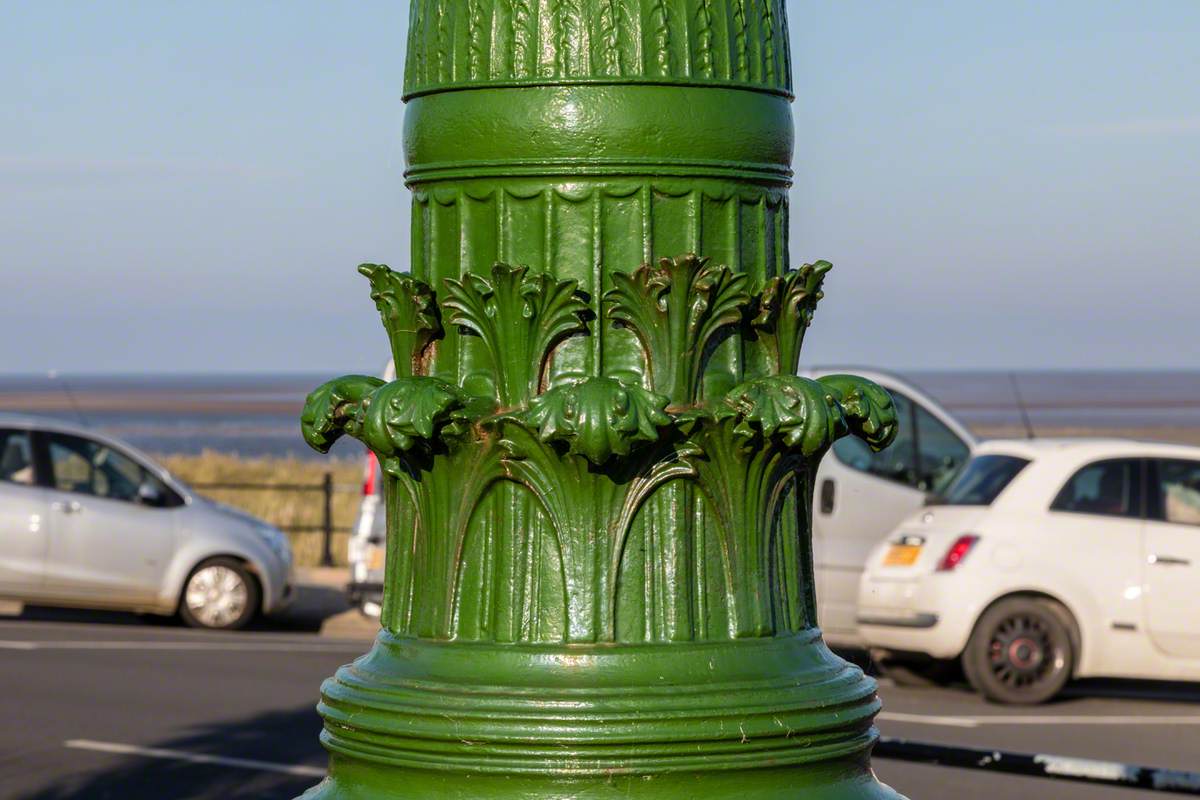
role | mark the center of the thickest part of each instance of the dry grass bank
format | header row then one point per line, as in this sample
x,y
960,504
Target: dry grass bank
x,y
281,507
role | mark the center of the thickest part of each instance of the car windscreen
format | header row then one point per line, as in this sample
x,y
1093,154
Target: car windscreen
x,y
982,480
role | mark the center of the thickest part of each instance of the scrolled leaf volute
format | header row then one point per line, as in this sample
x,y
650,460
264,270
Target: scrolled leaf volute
x,y
406,412
332,409
868,408
598,417
800,412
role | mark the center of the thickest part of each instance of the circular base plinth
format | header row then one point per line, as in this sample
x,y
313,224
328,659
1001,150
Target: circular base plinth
x,y
843,781
750,718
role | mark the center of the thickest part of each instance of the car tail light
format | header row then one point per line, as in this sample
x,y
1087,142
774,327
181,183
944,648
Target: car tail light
x,y
370,475
957,552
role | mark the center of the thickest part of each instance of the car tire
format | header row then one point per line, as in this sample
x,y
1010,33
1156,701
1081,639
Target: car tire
x,y
219,594
1021,651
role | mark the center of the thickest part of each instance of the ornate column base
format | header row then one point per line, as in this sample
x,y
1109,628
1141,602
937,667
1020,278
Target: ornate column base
x,y
418,719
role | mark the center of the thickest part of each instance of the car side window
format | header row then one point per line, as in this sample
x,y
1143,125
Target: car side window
x,y
1108,488
16,457
942,453
88,467
897,462
1178,491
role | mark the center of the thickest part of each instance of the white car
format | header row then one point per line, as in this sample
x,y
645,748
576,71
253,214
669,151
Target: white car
x,y
1048,560
860,497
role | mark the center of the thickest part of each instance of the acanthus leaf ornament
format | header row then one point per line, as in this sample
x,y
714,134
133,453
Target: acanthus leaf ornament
x,y
800,411
867,408
591,510
410,315
331,410
675,310
784,310
408,412
745,476
520,318
599,446
398,420
598,417
429,556
757,448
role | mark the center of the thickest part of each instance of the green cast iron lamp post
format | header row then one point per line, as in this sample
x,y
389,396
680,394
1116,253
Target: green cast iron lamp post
x,y
598,457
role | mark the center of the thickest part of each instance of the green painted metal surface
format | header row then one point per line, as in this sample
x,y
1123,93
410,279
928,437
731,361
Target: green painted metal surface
x,y
598,457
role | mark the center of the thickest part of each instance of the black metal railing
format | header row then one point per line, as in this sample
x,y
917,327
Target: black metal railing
x,y
326,487
1042,765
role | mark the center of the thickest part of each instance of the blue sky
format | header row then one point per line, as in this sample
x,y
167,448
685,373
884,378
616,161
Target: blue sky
x,y
188,186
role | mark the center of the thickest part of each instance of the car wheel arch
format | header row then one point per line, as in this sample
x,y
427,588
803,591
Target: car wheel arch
x,y
1071,618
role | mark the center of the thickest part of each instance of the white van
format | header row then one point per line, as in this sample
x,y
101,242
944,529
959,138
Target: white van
x,y
860,498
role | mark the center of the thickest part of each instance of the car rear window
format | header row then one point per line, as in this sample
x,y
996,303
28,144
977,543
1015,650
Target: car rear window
x,y
982,480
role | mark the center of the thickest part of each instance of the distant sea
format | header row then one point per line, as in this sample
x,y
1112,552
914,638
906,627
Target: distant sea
x,y
258,415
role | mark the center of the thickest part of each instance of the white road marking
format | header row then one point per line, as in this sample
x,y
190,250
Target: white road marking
x,y
59,626
264,647
194,758
1091,719
927,719
1077,719
15,625
17,646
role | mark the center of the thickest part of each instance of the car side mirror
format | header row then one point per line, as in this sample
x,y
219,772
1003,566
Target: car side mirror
x,y
149,494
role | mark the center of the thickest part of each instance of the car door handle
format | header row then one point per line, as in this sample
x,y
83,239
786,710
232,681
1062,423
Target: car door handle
x,y
1168,561
827,496
68,507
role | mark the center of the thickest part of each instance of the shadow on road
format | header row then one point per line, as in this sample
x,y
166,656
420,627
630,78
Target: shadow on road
x,y
857,656
312,605
283,737
1085,689
1112,688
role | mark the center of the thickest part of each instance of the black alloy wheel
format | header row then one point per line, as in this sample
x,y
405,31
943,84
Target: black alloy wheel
x,y
1021,651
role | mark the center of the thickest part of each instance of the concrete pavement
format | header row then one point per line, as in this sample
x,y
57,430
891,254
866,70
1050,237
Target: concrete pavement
x,y
320,594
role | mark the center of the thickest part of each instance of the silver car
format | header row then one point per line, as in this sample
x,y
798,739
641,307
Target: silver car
x,y
88,521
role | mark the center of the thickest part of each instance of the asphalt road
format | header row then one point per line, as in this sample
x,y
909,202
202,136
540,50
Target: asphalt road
x,y
119,708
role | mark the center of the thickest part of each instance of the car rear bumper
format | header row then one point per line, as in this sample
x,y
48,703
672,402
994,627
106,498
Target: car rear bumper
x,y
911,619
921,615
